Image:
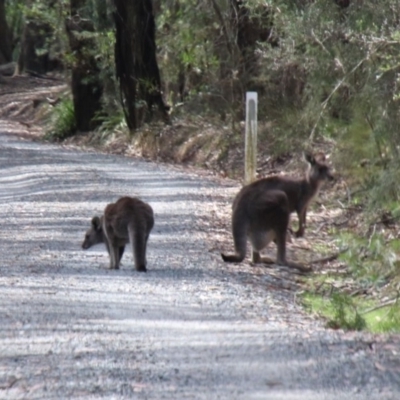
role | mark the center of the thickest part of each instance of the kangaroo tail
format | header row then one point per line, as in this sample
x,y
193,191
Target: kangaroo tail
x,y
138,241
239,231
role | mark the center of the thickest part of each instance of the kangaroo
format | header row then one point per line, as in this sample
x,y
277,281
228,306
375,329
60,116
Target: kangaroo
x,y
129,220
299,192
264,218
261,211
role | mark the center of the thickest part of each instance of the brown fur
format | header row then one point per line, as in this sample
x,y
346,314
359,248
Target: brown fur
x,y
261,211
129,220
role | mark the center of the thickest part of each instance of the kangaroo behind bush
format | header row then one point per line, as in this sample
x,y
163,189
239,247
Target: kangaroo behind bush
x,y
261,211
129,220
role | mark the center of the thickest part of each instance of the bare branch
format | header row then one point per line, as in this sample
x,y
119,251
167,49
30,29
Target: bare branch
x,y
339,84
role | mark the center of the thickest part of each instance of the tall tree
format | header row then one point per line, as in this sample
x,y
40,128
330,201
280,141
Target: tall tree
x,y
39,41
34,55
5,38
251,28
135,57
86,83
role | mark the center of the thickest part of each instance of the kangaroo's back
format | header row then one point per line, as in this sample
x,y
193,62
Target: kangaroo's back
x,y
293,188
129,211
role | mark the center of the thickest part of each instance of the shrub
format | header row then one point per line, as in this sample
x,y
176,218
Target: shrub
x,y
62,121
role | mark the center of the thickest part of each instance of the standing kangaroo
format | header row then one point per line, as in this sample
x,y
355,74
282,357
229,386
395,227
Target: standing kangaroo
x,y
129,220
261,211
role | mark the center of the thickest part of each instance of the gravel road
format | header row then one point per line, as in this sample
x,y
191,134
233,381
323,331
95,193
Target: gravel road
x,y
191,327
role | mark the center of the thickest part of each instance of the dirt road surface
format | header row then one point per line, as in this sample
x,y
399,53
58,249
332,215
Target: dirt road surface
x,y
191,327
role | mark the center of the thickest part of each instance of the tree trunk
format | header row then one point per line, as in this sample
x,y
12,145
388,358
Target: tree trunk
x,y
135,59
86,83
342,3
33,58
5,38
250,30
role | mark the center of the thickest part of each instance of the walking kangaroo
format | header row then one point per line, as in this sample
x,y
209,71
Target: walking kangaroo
x,y
261,211
129,220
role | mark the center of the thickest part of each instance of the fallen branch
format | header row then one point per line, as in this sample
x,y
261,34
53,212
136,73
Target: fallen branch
x,y
328,258
382,305
320,227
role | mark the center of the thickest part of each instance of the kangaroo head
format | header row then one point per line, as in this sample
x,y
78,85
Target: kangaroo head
x,y
94,234
319,171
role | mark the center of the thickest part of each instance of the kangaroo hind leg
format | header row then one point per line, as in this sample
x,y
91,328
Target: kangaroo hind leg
x,y
281,257
113,250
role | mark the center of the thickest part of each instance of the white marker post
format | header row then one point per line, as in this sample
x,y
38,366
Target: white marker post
x,y
250,149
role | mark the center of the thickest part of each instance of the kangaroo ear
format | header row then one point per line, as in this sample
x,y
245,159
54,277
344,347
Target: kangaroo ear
x,y
96,223
309,158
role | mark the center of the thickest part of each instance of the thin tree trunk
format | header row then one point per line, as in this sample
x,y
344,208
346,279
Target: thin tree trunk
x,y
249,31
136,63
34,38
5,38
86,84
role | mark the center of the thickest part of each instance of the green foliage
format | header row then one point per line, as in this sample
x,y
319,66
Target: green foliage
x,y
339,309
62,121
320,70
185,36
114,123
15,16
354,313
384,186
384,320
328,71
372,272
345,314
51,18
371,260
338,68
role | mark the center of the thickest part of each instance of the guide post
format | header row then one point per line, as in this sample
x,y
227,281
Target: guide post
x,y
250,159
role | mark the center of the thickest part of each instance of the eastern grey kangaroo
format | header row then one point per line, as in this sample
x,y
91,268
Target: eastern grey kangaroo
x,y
129,220
261,211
